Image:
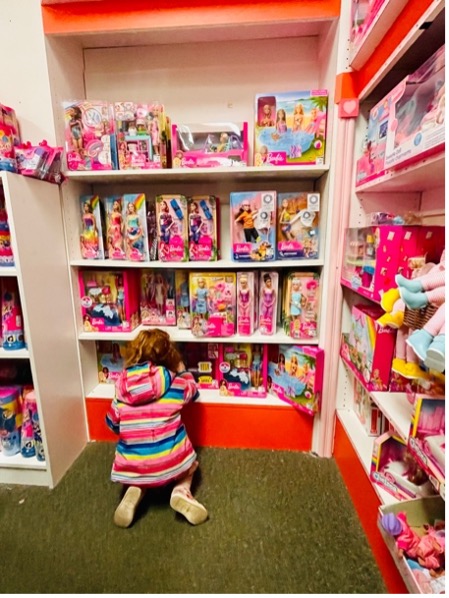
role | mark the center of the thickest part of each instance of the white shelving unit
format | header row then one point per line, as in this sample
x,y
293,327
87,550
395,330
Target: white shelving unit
x,y
37,239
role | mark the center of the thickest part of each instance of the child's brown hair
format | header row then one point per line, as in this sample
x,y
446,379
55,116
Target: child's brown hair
x,y
153,345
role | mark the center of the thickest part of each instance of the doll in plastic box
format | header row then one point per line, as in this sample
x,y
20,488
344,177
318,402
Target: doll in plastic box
x,y
246,216
296,299
267,118
298,117
244,296
195,222
76,127
115,230
267,303
133,231
89,236
281,121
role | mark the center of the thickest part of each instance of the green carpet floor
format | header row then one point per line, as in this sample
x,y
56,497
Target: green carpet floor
x,y
280,522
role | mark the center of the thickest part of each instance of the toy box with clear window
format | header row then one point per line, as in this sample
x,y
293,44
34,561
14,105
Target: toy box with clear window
x,y
209,145
243,370
247,302
370,347
182,299
253,226
295,375
212,303
141,141
109,300
201,359
372,162
395,469
375,254
297,231
369,414
110,361
115,240
300,304
91,235
363,13
90,141
290,128
268,302
426,439
203,228
135,227
416,126
172,228
157,298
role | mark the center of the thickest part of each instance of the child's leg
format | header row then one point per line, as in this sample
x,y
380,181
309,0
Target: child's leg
x,y
183,502
124,513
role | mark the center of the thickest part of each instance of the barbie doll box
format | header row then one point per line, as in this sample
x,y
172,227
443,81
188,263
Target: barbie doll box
x,y
300,304
204,228
416,125
201,359
209,145
110,361
212,303
295,375
297,231
290,128
253,226
243,370
172,228
157,298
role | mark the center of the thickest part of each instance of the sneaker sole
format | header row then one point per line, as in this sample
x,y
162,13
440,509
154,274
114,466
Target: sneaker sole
x,y
194,512
435,360
124,513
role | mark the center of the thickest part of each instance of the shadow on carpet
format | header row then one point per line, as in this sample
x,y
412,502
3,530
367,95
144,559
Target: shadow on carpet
x,y
279,522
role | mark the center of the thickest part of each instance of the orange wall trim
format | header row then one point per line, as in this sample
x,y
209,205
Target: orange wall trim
x,y
405,22
115,15
366,503
227,426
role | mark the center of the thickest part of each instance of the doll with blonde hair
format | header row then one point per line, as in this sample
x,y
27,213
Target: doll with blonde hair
x,y
153,448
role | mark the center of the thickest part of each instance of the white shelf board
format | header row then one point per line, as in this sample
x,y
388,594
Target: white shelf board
x,y
17,461
196,175
107,391
375,33
16,354
363,446
216,265
424,175
396,408
8,271
186,336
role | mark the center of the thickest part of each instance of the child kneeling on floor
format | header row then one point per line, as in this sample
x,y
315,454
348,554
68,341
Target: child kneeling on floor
x,y
153,448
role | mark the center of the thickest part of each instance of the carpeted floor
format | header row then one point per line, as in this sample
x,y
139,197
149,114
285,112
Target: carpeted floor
x,y
280,522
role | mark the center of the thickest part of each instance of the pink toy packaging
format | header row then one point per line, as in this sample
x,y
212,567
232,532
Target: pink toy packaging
x,y
290,128
253,226
426,439
416,127
368,349
9,119
268,302
115,227
372,162
110,361
135,227
374,255
201,359
91,236
369,414
12,320
140,140
6,256
247,302
393,469
363,13
295,375
172,224
7,155
298,217
301,297
157,298
90,141
243,370
11,420
109,300
203,228
209,145
152,229
212,303
183,320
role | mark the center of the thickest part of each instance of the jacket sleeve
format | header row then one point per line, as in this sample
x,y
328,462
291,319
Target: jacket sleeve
x,y
113,417
191,392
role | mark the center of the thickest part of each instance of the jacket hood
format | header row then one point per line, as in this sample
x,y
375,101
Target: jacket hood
x,y
143,383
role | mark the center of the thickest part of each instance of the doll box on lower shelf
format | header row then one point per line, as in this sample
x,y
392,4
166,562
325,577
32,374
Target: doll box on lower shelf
x,y
369,414
395,470
427,438
201,359
109,300
419,513
295,375
212,303
110,361
209,145
243,370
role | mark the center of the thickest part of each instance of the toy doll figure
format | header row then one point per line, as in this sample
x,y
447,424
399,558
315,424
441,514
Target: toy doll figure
x,y
244,296
246,216
256,367
298,117
296,299
195,222
267,119
177,159
115,230
76,126
133,232
285,221
155,134
165,223
223,390
294,366
267,303
223,146
89,236
160,294
202,297
281,122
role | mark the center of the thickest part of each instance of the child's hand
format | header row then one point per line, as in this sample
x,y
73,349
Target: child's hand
x,y
181,367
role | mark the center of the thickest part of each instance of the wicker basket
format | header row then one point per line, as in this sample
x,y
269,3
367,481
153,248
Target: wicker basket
x,y
417,318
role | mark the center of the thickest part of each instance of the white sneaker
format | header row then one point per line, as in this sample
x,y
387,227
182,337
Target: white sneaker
x,y
124,513
183,502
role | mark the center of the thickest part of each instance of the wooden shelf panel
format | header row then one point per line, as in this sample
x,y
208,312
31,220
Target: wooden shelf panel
x,y
217,265
396,408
